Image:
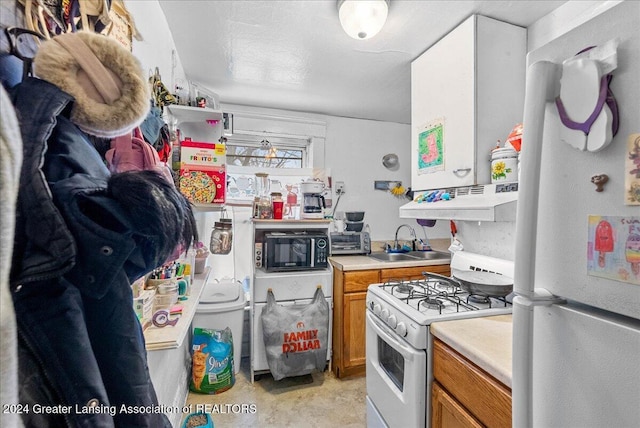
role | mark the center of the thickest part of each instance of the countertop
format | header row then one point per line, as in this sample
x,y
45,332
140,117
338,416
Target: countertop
x,y
348,263
486,341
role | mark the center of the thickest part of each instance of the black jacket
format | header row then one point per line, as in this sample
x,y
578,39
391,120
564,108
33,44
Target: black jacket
x,y
75,254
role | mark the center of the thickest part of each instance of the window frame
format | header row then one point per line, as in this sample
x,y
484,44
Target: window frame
x,y
248,139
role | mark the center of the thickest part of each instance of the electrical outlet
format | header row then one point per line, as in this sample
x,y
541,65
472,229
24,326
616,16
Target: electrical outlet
x,y
339,187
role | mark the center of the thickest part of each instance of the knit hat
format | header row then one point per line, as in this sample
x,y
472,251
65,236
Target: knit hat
x,y
106,80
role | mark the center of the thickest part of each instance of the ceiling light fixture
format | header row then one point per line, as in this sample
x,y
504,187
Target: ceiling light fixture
x,y
362,19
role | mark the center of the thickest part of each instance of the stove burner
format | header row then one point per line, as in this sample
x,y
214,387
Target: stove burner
x,y
432,303
404,288
477,298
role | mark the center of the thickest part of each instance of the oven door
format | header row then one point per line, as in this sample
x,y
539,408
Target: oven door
x,y
396,377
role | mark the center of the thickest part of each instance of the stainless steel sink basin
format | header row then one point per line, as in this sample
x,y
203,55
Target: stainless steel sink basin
x,y
410,256
392,257
429,255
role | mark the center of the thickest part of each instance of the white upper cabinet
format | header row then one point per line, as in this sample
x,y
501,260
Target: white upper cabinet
x,y
467,92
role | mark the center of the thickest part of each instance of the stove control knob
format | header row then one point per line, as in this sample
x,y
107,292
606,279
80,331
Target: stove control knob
x,y
376,308
392,321
384,314
401,329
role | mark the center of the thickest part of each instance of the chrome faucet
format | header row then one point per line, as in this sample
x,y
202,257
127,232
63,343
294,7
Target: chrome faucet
x,y
413,234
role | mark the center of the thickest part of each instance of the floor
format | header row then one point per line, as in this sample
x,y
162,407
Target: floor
x,y
316,401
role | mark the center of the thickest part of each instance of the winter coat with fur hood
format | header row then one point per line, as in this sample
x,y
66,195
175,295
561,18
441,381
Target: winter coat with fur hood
x,y
76,251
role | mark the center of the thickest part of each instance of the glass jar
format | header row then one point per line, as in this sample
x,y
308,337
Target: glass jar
x,y
277,205
262,185
221,237
264,208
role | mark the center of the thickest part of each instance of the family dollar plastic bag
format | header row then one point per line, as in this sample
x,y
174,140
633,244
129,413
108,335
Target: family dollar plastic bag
x,y
296,337
211,361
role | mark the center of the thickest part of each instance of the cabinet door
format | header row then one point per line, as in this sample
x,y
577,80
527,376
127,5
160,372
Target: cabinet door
x,y
354,329
413,272
472,81
359,280
442,89
486,398
448,413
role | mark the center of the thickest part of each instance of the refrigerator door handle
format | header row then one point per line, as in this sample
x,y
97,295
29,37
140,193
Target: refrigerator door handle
x,y
542,86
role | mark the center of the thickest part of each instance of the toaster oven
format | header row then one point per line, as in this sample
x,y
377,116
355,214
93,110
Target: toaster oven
x,y
343,243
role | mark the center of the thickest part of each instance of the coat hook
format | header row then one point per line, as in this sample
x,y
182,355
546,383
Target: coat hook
x,y
599,180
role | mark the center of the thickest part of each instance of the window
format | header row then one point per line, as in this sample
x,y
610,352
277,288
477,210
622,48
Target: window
x,y
266,151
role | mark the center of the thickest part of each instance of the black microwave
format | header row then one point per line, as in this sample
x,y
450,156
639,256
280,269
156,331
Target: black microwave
x,y
291,251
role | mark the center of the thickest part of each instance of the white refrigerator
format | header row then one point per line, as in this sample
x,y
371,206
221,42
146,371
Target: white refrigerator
x,y
576,315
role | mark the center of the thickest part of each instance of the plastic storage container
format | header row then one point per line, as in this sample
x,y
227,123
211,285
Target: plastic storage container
x,y
222,305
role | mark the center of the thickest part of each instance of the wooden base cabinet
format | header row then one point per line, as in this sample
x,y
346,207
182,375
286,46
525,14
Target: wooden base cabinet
x,y
463,395
349,309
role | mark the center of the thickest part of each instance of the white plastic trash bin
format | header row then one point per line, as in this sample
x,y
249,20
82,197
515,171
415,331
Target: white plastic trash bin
x,y
222,305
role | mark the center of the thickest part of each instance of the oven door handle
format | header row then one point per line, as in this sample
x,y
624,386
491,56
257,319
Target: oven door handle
x,y
382,330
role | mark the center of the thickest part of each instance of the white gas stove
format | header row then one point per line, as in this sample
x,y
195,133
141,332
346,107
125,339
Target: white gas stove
x,y
398,346
409,306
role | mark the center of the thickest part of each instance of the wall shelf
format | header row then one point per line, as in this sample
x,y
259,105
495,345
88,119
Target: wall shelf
x,y
171,337
194,114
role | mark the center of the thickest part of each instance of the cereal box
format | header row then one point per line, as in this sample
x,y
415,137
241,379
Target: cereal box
x,y
203,172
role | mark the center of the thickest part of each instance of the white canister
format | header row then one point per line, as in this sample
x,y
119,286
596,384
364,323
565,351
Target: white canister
x,y
504,165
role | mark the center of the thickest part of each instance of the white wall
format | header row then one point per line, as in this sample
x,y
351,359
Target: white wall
x,y
157,48
354,152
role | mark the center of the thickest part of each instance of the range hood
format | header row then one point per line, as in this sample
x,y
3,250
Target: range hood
x,y
488,202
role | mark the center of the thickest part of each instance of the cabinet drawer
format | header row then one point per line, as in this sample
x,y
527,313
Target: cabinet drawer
x,y
360,280
448,412
413,272
485,397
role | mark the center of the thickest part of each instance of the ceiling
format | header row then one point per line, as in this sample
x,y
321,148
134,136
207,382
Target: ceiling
x,y
293,55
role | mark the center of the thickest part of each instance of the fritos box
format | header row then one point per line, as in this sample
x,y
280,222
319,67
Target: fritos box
x,y
203,174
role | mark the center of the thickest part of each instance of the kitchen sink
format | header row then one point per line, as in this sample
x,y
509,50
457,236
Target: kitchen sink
x,y
392,257
429,255
410,256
